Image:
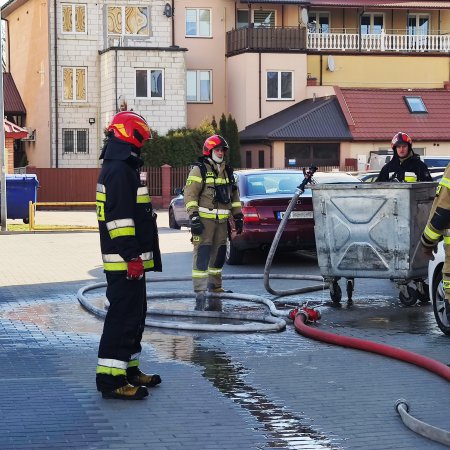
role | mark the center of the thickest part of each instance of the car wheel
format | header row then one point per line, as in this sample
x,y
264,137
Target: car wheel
x,y
172,222
439,305
233,256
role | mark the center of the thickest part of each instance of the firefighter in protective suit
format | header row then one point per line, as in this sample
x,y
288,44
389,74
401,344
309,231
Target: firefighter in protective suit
x,y
129,245
211,196
437,228
405,165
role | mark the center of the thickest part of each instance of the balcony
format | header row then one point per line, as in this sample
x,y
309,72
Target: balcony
x,y
285,39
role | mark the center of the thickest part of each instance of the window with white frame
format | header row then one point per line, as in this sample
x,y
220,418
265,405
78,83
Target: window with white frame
x,y
199,86
198,22
319,22
128,21
75,140
260,18
279,85
418,24
74,81
372,23
149,83
73,18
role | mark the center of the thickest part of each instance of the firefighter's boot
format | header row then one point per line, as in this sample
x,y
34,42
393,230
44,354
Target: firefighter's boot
x,y
138,378
214,304
218,290
127,392
200,301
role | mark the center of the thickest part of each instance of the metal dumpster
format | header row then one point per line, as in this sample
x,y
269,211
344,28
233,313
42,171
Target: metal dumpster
x,y
373,231
20,190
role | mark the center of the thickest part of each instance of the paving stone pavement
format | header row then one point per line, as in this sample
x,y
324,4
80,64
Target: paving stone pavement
x,y
219,391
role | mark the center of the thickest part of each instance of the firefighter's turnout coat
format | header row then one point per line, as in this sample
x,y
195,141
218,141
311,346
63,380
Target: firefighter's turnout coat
x,y
128,229
438,226
201,195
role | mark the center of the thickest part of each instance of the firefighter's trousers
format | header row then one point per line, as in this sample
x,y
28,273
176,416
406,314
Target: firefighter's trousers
x,y
209,255
120,344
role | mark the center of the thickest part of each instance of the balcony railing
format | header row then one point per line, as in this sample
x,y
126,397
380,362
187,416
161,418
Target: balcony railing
x,y
296,38
266,38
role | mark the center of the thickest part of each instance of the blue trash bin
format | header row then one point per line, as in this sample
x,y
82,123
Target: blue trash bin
x,y
20,190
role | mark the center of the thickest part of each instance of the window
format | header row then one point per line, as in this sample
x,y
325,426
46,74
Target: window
x,y
418,24
372,23
74,84
75,140
73,18
415,105
260,159
279,85
261,18
304,154
128,21
319,22
150,83
199,84
248,159
198,22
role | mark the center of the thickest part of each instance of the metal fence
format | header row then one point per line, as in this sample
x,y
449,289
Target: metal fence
x,y
154,180
178,177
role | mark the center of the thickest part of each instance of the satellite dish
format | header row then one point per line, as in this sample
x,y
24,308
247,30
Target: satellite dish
x,y
330,63
304,16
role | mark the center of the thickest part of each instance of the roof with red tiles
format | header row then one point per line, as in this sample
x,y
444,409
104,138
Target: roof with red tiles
x,y
13,103
391,4
377,114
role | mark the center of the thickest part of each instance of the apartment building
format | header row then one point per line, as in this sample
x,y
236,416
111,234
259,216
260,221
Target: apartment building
x,y
77,63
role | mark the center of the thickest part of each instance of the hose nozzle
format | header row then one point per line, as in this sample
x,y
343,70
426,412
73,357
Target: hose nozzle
x,y
310,314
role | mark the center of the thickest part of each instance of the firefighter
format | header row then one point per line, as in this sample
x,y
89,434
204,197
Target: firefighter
x,y
437,228
405,165
129,246
211,196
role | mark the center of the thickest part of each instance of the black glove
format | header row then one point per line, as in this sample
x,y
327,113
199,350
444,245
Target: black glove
x,y
239,222
196,224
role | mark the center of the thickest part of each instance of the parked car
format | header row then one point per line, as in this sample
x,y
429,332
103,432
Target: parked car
x,y
265,195
436,289
178,216
368,177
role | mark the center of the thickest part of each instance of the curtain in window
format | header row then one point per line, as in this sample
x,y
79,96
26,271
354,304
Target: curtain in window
x,y
80,19
81,84
68,83
114,20
67,18
136,21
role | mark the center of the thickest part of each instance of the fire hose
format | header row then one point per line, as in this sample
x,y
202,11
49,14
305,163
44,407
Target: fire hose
x,y
309,315
299,191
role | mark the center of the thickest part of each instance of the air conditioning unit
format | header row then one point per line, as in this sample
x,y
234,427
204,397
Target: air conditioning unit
x,y
31,135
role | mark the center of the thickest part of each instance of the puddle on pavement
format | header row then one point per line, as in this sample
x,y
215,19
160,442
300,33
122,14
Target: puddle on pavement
x,y
282,428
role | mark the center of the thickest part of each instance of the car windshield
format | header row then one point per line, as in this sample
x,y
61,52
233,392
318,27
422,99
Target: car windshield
x,y
272,183
285,183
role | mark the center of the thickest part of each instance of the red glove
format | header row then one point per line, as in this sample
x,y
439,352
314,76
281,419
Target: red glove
x,y
135,269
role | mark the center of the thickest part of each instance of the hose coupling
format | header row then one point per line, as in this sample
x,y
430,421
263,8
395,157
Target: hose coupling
x,y
310,314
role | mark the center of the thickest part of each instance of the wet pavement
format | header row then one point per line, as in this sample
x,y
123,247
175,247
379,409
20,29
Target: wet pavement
x,y
219,390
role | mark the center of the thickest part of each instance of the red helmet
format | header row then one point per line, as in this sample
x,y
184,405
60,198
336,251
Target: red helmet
x,y
127,126
401,138
212,142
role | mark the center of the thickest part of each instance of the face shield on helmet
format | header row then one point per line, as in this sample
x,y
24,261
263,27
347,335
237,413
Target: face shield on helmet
x,y
127,126
212,143
399,139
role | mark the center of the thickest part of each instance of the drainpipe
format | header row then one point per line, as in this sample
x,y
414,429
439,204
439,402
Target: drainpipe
x,y
9,45
259,83
55,33
173,23
115,79
321,69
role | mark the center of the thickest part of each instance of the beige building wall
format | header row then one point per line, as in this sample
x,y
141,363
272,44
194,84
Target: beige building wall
x,y
28,30
385,71
247,90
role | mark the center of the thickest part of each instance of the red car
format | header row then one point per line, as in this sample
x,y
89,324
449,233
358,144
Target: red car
x,y
265,195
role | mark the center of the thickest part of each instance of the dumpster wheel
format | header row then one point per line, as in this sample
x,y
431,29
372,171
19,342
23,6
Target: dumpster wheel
x,y
407,295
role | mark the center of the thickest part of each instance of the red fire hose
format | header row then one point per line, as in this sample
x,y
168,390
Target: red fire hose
x,y
304,315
